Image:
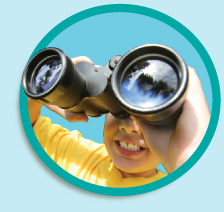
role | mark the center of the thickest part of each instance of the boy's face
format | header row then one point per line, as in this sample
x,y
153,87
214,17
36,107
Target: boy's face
x,y
127,148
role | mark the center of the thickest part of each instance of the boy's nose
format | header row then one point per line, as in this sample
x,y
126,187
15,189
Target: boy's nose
x,y
129,126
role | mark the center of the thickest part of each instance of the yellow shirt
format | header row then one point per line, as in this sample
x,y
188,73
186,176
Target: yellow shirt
x,y
83,158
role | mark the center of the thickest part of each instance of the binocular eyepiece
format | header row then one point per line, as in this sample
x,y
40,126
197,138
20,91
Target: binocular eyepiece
x,y
149,82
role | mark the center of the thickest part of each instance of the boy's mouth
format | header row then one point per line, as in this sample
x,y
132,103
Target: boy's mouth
x,y
128,149
129,146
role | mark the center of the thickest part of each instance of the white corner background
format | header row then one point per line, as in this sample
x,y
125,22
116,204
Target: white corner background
x,y
27,184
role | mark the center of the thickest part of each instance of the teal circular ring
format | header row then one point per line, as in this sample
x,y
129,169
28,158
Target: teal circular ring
x,y
113,8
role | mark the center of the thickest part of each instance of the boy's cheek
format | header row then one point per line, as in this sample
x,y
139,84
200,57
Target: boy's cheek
x,y
111,121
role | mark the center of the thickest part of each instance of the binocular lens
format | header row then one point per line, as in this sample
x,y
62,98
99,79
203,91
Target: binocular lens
x,y
46,74
149,83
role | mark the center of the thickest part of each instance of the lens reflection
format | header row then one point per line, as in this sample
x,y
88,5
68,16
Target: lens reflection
x,y
47,75
149,84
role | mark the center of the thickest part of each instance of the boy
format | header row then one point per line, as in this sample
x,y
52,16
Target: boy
x,y
132,149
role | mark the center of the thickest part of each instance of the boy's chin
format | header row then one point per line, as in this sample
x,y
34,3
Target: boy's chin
x,y
134,171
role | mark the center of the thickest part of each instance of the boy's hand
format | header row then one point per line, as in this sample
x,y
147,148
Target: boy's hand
x,y
34,106
69,116
174,146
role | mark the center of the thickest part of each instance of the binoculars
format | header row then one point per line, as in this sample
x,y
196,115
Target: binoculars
x,y
149,82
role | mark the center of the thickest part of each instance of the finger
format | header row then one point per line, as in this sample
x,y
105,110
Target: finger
x,y
79,59
75,117
194,91
195,98
71,117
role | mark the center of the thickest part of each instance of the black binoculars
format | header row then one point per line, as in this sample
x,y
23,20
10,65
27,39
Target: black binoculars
x,y
149,82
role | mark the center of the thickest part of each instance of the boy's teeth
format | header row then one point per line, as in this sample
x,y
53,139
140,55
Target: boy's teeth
x,y
131,147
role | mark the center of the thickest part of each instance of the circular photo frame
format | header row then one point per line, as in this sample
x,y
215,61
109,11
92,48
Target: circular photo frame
x,y
142,12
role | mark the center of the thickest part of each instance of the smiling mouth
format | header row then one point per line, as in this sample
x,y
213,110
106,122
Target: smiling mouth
x,y
129,146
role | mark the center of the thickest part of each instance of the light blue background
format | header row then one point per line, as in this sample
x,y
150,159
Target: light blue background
x,y
27,184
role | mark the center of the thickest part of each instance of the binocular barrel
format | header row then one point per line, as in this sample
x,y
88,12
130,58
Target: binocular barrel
x,y
149,82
